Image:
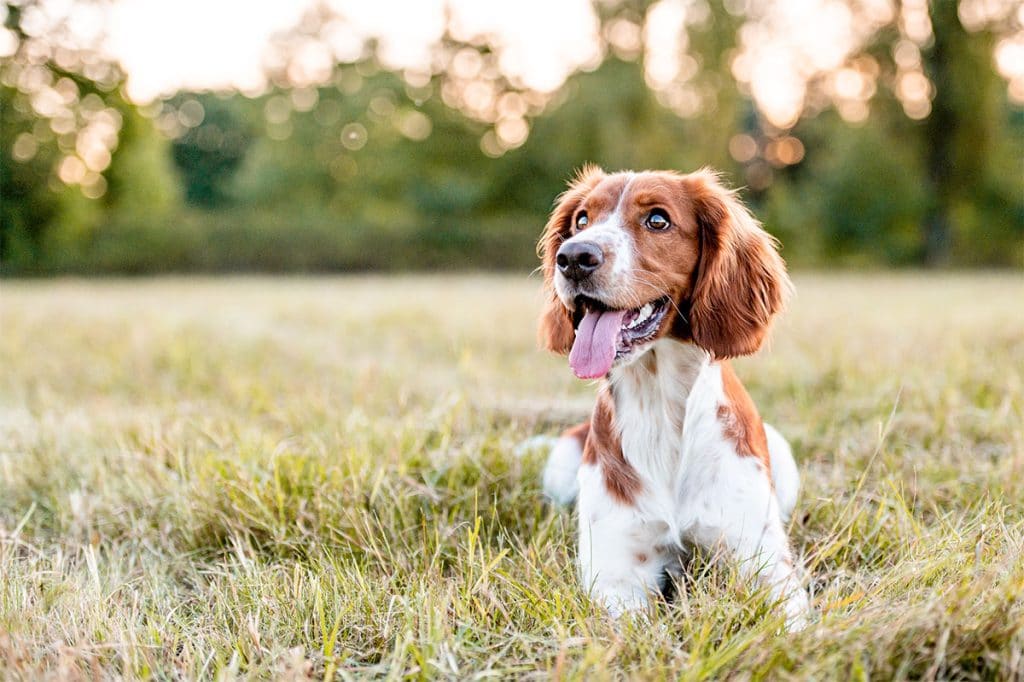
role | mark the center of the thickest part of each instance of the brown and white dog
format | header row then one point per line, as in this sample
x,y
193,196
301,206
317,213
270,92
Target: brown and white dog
x,y
655,280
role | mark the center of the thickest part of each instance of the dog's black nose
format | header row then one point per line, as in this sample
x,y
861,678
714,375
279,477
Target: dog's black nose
x,y
576,260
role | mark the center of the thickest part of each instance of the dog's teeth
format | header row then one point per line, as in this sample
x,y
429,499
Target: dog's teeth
x,y
641,316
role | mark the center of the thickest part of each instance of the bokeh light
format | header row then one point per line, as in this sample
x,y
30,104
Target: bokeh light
x,y
354,136
499,64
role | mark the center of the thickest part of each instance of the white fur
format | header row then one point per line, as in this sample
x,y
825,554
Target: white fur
x,y
785,475
697,490
563,463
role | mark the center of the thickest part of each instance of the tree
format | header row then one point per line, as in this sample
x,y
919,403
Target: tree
x,y
210,150
935,59
66,129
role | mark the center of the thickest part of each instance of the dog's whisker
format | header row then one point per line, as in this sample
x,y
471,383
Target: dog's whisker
x,y
659,289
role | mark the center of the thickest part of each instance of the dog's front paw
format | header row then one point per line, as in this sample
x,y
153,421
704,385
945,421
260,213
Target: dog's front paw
x,y
621,601
797,610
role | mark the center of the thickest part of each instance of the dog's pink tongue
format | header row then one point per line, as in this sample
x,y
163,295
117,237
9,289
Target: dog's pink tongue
x,y
593,351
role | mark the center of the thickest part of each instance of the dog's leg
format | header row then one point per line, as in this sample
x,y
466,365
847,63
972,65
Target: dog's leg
x,y
563,464
767,557
785,475
620,558
745,520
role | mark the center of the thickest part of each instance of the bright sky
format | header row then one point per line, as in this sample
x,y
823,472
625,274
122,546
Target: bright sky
x,y
166,45
194,43
221,43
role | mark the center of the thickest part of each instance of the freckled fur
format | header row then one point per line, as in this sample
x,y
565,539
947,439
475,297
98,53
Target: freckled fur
x,y
740,420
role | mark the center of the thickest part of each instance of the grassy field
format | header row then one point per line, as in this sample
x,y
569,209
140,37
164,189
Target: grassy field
x,y
290,477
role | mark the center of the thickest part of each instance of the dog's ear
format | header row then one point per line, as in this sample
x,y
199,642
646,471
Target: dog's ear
x,y
741,281
556,332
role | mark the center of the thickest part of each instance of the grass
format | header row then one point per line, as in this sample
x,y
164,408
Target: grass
x,y
290,477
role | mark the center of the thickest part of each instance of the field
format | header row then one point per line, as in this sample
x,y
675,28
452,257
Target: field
x,y
289,477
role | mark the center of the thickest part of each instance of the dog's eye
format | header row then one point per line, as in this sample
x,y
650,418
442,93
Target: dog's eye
x,y
582,220
657,220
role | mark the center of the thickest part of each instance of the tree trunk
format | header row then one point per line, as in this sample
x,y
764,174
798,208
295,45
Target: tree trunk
x,y
940,136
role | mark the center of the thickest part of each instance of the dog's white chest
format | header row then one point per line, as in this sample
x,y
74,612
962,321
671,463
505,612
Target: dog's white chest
x,y
665,411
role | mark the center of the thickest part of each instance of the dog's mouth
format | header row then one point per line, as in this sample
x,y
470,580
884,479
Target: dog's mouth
x,y
604,335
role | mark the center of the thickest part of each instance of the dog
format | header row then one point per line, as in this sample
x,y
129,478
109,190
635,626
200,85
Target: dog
x,y
653,281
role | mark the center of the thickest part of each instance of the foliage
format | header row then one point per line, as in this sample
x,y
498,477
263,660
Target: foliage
x,y
259,478
209,153
75,154
376,170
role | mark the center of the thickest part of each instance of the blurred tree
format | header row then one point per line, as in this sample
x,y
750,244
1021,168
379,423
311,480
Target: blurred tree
x,y
140,178
454,163
942,112
28,204
968,114
48,104
65,132
211,149
950,104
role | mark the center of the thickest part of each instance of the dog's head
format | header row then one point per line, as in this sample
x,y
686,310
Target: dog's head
x,y
629,258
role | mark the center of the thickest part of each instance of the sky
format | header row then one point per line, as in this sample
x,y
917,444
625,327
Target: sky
x,y
165,45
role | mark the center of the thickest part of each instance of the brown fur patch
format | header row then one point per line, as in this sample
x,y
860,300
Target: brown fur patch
x,y
665,260
740,420
741,282
555,331
604,448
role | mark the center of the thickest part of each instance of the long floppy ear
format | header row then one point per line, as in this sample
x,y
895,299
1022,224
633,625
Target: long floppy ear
x,y
555,331
741,280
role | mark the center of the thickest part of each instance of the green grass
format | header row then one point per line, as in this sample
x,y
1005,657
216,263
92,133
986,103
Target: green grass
x,y
268,477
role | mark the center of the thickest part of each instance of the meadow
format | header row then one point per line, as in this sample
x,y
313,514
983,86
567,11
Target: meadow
x,y
292,477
